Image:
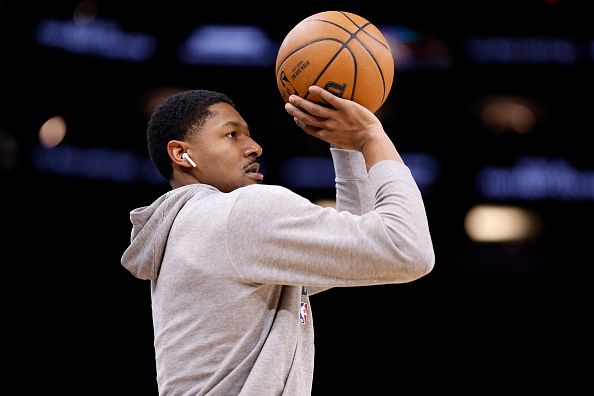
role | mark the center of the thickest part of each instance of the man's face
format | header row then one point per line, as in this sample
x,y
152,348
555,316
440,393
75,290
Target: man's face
x,y
224,152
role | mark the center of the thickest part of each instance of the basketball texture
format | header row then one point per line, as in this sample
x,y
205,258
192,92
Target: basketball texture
x,y
340,52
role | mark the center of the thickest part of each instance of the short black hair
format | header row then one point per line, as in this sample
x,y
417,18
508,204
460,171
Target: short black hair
x,y
174,119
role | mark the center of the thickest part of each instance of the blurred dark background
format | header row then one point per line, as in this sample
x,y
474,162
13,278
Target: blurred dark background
x,y
491,107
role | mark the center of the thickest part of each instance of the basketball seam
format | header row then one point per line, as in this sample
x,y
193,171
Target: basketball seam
x,y
369,34
303,46
330,22
314,41
362,29
376,63
349,18
345,45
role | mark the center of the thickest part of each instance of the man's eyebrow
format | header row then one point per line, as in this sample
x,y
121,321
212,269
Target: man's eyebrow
x,y
232,123
235,124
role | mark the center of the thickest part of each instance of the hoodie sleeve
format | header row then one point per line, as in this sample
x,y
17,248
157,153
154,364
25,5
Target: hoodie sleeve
x,y
353,187
277,236
354,193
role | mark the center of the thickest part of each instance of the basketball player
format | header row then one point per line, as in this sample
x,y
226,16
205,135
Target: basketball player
x,y
232,262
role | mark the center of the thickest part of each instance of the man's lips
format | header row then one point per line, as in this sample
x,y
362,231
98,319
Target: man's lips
x,y
254,167
252,171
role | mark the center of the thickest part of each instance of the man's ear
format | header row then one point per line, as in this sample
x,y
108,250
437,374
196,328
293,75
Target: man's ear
x,y
175,149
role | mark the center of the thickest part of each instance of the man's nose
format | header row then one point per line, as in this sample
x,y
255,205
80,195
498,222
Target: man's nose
x,y
253,149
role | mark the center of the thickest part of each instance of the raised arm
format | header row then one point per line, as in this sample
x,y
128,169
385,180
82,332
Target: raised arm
x,y
289,240
354,192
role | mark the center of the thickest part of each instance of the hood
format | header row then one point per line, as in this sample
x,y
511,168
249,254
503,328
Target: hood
x,y
150,229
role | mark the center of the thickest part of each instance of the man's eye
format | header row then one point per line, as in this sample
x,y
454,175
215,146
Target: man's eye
x,y
231,134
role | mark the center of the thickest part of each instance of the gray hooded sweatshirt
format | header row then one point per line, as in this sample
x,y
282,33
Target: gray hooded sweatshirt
x,y
231,273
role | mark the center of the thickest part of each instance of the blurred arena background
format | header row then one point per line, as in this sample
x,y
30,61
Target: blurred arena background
x,y
491,108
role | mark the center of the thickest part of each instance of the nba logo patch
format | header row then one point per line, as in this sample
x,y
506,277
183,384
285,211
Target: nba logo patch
x,y
303,312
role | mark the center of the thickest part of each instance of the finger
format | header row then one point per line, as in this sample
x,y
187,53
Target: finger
x,y
295,111
311,130
330,98
303,115
310,107
299,123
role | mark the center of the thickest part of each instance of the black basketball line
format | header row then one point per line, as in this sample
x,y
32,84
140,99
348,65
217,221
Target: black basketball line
x,y
376,63
344,45
354,35
362,28
303,46
315,41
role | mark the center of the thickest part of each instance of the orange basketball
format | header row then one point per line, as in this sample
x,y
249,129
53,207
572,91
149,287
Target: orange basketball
x,y
339,51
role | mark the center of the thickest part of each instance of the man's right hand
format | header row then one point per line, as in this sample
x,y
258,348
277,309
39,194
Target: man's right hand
x,y
345,124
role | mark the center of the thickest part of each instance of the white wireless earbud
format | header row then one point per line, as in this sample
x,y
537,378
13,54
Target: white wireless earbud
x,y
187,158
